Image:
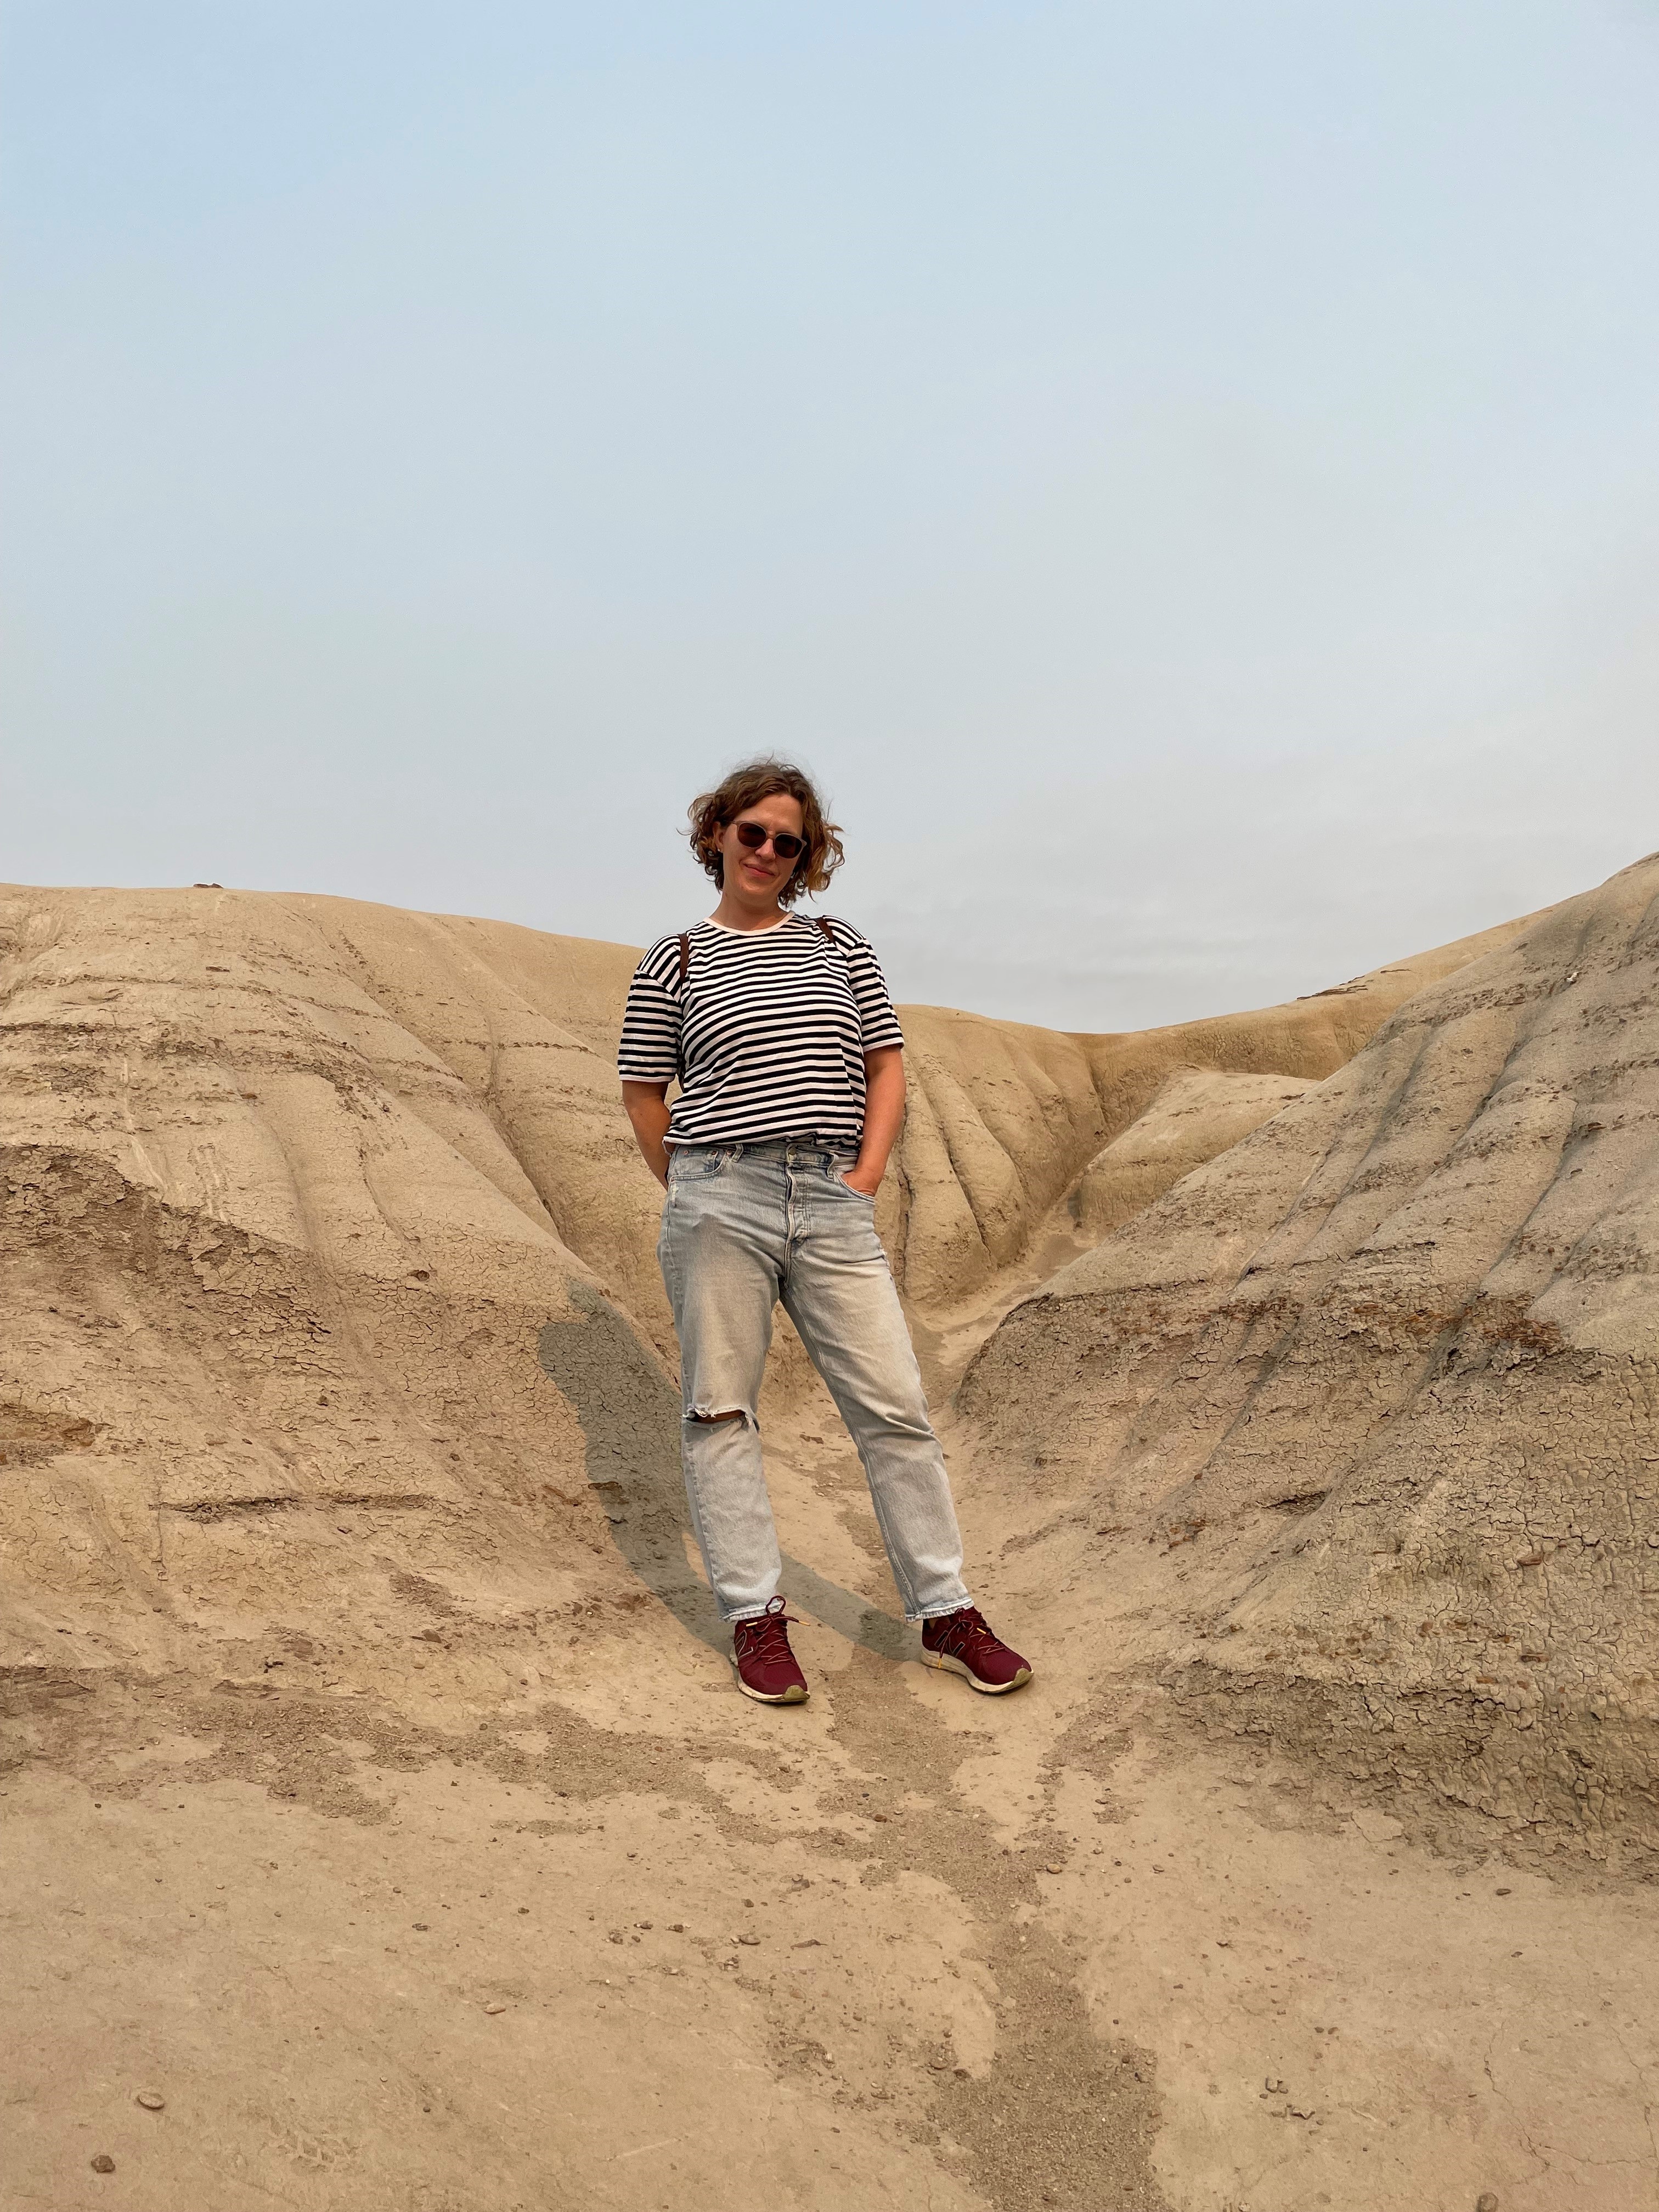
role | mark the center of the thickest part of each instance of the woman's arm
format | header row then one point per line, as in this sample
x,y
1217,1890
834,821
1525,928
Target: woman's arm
x,y
646,1106
884,1116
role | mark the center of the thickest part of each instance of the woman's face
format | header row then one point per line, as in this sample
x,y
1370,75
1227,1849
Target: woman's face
x,y
760,875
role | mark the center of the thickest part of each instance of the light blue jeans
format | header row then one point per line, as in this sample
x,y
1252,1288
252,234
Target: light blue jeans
x,y
744,1226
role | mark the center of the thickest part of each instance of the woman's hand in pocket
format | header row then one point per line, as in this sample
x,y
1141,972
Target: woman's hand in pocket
x,y
852,1178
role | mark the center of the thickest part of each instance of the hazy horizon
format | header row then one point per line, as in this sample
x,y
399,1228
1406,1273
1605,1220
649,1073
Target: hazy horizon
x,y
1185,478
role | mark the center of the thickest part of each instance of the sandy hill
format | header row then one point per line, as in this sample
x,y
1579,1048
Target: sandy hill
x,y
1360,1420
295,1185
372,1792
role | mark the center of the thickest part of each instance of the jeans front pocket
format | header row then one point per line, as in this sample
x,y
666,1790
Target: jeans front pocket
x,y
697,1162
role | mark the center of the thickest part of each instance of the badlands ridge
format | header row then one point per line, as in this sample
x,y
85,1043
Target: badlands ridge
x,y
1299,1371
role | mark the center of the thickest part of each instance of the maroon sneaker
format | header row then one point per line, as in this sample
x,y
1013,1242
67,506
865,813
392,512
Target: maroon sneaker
x,y
962,1642
766,1666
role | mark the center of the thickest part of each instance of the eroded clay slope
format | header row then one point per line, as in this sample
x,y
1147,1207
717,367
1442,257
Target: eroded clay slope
x,y
1359,1421
1199,1112
286,1189
294,1186
391,1088
1004,1118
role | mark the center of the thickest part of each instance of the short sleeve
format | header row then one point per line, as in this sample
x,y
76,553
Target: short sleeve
x,y
877,1020
649,1051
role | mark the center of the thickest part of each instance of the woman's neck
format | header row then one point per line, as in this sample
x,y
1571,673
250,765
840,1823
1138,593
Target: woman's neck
x,y
738,913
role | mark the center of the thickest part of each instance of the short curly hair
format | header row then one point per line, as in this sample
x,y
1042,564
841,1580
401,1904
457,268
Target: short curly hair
x,y
746,786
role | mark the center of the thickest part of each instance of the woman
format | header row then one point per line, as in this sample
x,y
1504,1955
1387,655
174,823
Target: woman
x,y
790,1063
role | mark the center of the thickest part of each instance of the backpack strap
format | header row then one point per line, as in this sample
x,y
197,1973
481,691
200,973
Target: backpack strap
x,y
685,959
821,920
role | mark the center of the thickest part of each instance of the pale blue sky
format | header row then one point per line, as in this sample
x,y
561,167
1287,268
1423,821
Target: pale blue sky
x,y
1184,474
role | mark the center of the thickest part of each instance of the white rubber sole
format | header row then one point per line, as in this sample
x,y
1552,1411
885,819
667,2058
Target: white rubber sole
x,y
947,1665
791,1697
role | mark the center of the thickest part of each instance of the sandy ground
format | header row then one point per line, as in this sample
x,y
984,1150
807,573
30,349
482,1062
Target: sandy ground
x,y
610,1936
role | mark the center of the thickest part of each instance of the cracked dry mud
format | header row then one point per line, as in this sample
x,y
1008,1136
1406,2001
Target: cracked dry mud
x,y
374,1792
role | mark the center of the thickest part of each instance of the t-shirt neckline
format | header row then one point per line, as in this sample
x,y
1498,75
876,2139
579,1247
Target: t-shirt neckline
x,y
771,928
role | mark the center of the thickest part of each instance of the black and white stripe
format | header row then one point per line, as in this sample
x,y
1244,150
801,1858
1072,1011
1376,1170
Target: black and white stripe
x,y
767,1038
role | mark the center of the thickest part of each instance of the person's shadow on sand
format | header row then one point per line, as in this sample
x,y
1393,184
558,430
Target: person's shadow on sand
x,y
630,1417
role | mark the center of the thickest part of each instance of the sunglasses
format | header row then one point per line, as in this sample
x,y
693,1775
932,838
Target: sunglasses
x,y
754,834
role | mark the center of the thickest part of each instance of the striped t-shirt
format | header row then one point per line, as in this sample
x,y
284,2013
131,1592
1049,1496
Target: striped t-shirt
x,y
768,1036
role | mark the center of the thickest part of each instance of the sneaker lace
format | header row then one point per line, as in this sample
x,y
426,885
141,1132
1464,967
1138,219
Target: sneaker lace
x,y
969,1633
767,1636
